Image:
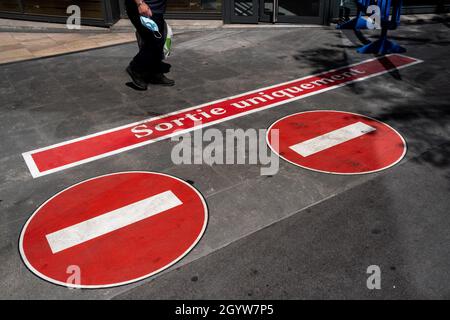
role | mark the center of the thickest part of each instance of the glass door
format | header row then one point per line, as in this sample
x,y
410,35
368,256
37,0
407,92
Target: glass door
x,y
300,11
294,11
273,11
266,12
89,8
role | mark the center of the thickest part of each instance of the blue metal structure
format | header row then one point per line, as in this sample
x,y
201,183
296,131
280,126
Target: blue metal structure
x,y
359,22
388,22
390,13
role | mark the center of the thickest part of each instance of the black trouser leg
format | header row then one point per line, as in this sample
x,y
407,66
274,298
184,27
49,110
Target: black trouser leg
x,y
150,55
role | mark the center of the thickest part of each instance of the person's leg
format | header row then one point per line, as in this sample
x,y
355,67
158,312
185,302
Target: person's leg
x,y
158,67
155,46
147,65
146,55
138,65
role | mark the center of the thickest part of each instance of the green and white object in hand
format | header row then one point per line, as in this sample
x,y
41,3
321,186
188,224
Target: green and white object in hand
x,y
168,41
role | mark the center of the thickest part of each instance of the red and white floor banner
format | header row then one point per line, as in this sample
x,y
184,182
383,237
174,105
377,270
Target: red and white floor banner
x,y
99,145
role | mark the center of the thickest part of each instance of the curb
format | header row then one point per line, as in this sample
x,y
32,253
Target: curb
x,y
190,25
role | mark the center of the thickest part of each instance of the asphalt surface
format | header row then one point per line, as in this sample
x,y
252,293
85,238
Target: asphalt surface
x,y
297,234
322,252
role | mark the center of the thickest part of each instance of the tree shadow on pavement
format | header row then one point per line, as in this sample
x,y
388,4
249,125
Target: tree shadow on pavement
x,y
388,65
323,59
333,57
423,120
427,129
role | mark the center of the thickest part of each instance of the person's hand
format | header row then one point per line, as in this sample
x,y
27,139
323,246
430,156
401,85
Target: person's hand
x,y
144,10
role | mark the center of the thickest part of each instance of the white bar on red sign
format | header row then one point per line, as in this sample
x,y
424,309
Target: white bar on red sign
x,y
111,221
331,139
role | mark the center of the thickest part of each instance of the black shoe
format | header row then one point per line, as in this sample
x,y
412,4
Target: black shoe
x,y
138,80
160,79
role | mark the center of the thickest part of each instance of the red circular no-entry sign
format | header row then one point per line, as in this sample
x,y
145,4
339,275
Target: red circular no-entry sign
x,y
336,142
113,229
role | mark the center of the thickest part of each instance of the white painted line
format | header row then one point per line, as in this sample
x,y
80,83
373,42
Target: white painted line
x,y
111,221
331,139
31,164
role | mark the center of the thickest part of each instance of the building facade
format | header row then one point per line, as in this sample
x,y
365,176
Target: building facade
x,y
107,12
